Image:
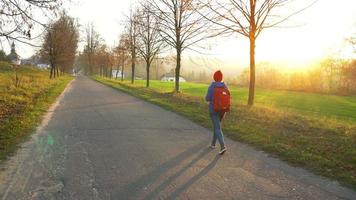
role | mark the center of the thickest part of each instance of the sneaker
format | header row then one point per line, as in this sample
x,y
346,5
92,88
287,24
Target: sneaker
x,y
212,146
222,151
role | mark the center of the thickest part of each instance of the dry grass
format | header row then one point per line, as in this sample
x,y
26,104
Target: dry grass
x,y
23,101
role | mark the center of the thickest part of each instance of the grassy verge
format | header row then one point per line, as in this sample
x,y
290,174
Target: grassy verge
x,y
317,105
22,107
324,145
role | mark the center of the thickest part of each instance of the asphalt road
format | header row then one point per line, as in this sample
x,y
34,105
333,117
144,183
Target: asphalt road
x,y
99,143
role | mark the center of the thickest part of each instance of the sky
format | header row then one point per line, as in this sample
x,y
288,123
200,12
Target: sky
x,y
316,33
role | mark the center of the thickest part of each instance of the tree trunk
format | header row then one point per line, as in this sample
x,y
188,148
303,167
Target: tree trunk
x,y
148,73
51,73
133,71
16,78
57,72
117,72
90,63
177,70
122,72
251,92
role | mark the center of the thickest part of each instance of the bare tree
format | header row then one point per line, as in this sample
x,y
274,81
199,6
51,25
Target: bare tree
x,y
70,35
102,60
17,20
116,61
123,53
181,26
92,44
149,40
60,44
132,31
248,18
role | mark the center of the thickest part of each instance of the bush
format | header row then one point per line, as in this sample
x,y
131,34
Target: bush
x,y
5,66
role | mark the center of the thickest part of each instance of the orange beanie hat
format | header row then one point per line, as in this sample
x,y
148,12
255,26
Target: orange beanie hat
x,y
218,76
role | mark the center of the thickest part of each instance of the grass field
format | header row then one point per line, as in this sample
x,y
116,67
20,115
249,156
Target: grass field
x,y
315,131
22,106
318,105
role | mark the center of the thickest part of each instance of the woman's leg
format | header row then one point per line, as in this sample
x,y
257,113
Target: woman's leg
x,y
217,128
213,142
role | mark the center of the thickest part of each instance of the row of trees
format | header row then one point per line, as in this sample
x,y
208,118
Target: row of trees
x,y
97,57
152,27
332,76
60,44
157,25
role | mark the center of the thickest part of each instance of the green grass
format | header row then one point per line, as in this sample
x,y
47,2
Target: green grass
x,y
22,107
318,105
323,143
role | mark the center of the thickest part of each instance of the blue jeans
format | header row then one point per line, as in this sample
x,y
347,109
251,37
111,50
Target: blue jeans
x,y
218,134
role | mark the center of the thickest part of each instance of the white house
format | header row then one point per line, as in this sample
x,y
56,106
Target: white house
x,y
117,73
43,66
171,78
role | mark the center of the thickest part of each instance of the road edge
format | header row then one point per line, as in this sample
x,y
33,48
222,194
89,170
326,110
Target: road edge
x,y
10,167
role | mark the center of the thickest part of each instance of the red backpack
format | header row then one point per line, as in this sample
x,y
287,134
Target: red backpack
x,y
221,99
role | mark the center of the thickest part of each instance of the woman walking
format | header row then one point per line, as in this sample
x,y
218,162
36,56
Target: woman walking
x,y
218,97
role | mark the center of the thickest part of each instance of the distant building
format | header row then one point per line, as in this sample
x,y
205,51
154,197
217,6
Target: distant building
x,y
27,62
117,73
13,56
43,66
138,78
170,77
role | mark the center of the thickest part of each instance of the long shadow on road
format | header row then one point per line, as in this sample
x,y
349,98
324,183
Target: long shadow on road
x,y
170,179
175,194
132,190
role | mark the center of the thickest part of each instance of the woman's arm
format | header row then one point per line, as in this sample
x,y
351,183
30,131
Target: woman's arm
x,y
208,96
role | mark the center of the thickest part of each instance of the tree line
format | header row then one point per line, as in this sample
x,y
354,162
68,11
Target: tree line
x,y
158,26
154,29
330,76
